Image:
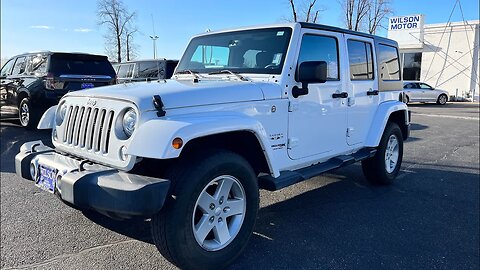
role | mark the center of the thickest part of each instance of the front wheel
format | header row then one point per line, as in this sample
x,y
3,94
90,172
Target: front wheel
x,y
385,165
442,99
210,215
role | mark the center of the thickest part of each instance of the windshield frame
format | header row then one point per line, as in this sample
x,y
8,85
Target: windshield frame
x,y
190,50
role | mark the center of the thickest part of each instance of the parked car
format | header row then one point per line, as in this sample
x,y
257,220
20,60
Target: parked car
x,y
143,70
33,82
422,92
257,107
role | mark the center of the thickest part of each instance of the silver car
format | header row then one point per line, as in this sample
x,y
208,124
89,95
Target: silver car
x,y
422,92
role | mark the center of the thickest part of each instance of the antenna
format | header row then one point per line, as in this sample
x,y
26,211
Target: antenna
x,y
154,39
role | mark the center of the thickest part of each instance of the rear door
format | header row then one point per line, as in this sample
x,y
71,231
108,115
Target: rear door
x,y
73,72
363,95
317,120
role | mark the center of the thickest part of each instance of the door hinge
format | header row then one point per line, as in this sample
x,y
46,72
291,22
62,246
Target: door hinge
x,y
292,142
292,106
351,101
350,131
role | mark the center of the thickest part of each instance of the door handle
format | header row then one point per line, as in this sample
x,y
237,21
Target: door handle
x,y
372,93
340,95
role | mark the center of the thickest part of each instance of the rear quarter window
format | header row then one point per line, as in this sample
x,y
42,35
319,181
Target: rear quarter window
x,y
389,63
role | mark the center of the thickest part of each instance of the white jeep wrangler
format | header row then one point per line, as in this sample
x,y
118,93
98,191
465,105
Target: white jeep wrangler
x,y
256,107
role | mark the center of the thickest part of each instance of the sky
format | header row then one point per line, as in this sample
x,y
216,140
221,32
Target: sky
x,y
71,25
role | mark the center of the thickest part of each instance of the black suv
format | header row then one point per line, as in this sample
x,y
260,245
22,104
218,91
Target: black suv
x,y
143,70
33,82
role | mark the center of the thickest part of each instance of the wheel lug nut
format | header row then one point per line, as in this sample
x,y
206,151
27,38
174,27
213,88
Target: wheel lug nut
x,y
226,209
220,219
211,219
221,200
212,206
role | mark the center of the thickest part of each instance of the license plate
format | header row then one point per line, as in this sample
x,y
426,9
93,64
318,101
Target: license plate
x,y
87,85
46,179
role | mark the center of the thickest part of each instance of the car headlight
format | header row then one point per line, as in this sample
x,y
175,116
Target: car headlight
x,y
129,122
61,113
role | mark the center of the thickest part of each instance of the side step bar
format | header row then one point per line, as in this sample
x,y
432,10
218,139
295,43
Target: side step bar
x,y
288,178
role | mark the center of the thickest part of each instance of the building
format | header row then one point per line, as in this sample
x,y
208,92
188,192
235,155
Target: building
x,y
445,56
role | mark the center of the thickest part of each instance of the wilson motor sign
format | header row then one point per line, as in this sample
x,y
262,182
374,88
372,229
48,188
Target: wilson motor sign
x,y
409,22
407,30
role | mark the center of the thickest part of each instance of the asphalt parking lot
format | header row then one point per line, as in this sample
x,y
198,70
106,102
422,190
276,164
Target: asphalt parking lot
x,y
428,219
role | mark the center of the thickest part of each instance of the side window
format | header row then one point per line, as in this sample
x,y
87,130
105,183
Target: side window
x,y
360,60
125,71
409,86
7,68
321,48
389,63
148,69
425,86
19,67
37,64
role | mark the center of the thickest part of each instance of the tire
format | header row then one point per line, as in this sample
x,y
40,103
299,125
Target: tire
x,y
27,115
375,169
442,99
173,227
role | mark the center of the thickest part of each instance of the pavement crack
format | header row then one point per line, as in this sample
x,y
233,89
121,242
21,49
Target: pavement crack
x,y
67,256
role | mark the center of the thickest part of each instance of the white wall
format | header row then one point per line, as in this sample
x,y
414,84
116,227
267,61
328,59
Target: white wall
x,y
450,58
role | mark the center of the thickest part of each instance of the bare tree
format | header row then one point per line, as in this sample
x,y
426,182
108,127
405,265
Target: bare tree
x,y
130,47
355,12
116,17
310,11
378,12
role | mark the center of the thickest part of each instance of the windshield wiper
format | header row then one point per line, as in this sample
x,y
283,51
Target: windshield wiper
x,y
188,71
226,71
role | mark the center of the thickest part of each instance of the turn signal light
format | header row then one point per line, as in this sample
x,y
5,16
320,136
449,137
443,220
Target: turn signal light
x,y
177,143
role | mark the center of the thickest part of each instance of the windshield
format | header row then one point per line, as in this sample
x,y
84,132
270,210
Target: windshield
x,y
259,51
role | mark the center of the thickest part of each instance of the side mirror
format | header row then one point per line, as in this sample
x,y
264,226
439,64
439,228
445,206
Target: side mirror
x,y
309,72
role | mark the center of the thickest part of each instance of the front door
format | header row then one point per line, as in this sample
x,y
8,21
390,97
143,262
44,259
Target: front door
x,y
317,120
363,96
6,92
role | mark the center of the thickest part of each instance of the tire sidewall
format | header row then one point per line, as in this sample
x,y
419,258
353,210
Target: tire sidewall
x,y
27,102
392,129
439,99
180,211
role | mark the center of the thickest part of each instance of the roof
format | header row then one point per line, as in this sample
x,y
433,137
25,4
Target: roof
x,y
343,31
305,25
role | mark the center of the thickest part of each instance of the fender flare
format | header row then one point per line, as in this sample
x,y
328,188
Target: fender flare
x,y
48,118
380,120
153,139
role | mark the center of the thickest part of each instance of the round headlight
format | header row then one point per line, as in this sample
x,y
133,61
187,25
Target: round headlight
x,y
62,111
129,122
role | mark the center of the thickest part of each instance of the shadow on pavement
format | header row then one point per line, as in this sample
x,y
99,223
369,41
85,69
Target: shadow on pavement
x,y
351,224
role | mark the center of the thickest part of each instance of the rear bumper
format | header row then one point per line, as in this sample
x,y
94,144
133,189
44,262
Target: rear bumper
x,y
92,186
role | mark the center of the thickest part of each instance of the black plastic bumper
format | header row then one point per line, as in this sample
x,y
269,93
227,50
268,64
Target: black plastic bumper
x,y
106,190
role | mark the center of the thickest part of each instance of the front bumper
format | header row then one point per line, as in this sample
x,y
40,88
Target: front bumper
x,y
91,186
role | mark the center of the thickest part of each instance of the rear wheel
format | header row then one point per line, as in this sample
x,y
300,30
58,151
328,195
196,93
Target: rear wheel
x,y
27,115
385,165
442,99
210,215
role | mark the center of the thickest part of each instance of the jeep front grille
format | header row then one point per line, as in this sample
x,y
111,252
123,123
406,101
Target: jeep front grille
x,y
88,128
